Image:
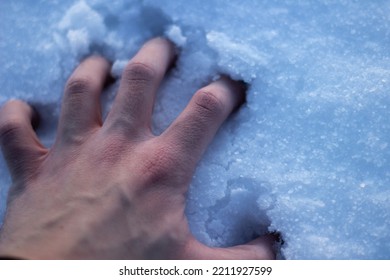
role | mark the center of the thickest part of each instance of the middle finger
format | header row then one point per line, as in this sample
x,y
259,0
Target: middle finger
x,y
132,109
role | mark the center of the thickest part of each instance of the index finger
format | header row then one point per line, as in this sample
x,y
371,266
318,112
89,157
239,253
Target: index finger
x,y
196,126
132,110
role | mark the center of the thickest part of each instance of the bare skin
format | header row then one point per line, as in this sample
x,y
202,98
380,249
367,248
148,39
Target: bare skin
x,y
113,190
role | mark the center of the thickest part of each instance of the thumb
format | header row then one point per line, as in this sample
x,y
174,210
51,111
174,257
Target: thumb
x,y
261,248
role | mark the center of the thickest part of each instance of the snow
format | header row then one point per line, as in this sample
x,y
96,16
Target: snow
x,y
307,155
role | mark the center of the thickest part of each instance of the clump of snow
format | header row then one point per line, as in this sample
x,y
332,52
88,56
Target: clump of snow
x,y
307,155
83,26
175,35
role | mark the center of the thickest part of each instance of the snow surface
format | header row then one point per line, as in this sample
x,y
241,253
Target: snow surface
x,y
308,155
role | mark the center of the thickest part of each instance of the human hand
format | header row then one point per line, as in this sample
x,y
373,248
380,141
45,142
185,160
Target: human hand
x,y
113,190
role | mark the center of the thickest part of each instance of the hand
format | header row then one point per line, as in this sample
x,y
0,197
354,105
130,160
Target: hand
x,y
113,190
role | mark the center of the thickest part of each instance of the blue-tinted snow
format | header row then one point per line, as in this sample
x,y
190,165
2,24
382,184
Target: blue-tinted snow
x,y
308,155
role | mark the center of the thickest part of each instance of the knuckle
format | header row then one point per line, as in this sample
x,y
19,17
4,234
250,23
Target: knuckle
x,y
111,151
78,85
137,71
159,167
208,102
10,128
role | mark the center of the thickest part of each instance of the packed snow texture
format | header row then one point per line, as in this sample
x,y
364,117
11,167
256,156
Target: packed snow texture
x,y
308,155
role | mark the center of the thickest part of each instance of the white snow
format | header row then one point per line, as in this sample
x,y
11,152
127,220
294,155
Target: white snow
x,y
307,155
